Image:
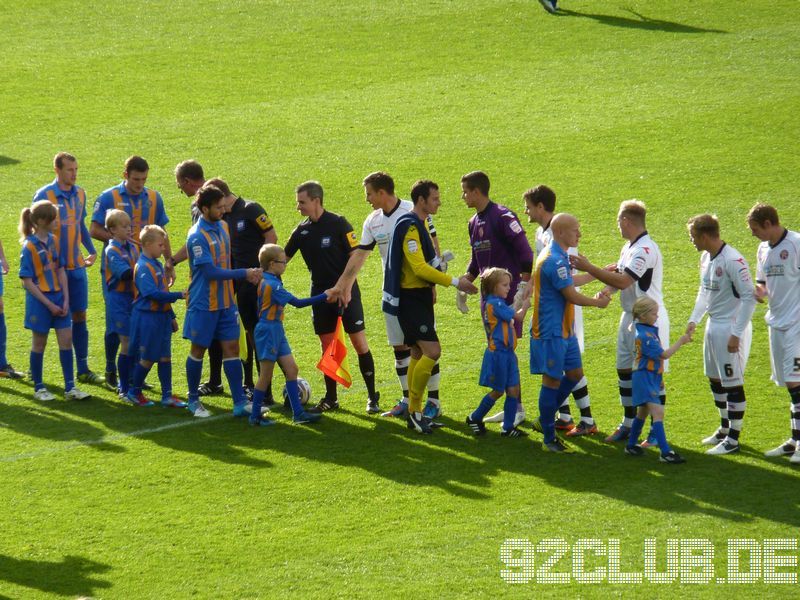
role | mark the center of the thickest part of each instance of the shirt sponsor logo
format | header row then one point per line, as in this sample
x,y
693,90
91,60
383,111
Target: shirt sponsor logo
x,y
240,225
326,241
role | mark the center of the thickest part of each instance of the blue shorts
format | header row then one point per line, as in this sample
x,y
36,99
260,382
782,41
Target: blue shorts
x,y
118,312
151,335
500,370
554,356
202,326
646,387
78,284
270,340
41,320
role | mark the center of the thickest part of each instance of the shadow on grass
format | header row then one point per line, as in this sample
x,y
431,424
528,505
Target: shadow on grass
x,y
7,160
73,576
640,22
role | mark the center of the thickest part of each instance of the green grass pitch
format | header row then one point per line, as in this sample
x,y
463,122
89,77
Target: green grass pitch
x,y
690,106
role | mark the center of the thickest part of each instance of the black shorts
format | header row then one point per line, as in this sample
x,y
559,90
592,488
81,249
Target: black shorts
x,y
416,315
325,315
247,301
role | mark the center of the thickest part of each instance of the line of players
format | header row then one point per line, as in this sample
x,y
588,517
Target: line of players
x,y
497,239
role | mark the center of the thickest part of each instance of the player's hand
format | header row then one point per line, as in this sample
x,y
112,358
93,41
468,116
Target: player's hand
x,y
685,339
254,275
521,295
345,293
760,293
461,302
602,299
690,328
579,262
89,260
185,294
465,285
4,266
169,273
54,309
733,344
174,325
333,295
612,268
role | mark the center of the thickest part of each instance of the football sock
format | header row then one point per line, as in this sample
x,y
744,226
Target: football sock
x,y
509,412
124,366
736,407
421,373
247,363
3,335
412,363
721,402
268,392
581,395
67,368
433,384
564,389
564,412
636,431
626,398
165,379
111,343
401,361
234,374
37,366
794,393
139,374
80,341
548,403
194,371
293,391
215,364
487,402
330,389
366,365
258,401
661,436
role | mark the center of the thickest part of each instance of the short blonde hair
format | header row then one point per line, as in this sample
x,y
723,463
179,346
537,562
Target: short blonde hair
x,y
491,277
643,306
267,254
704,224
635,210
150,233
116,217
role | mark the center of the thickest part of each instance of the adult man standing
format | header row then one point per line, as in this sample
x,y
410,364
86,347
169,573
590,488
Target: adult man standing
x,y
326,241
639,272
726,293
211,313
145,207
71,233
778,280
378,229
249,227
411,272
540,205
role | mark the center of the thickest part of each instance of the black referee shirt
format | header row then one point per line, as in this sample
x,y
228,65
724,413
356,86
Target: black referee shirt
x,y
325,246
247,223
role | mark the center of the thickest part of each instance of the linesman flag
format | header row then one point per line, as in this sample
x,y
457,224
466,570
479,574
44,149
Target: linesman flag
x,y
334,360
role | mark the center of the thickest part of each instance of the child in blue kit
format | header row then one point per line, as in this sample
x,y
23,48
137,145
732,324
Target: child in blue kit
x,y
500,370
152,321
46,301
648,379
6,370
270,337
119,261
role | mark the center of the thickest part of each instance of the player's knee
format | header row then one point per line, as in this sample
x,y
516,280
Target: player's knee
x,y
79,316
495,394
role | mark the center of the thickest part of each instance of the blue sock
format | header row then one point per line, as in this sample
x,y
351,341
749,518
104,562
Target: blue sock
x,y
258,401
124,366
80,341
165,379
636,431
3,335
661,436
37,366
509,412
139,374
67,366
111,341
548,404
235,376
194,371
565,389
487,402
294,397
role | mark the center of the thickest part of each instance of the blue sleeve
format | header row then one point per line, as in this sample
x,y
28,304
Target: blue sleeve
x,y
198,250
301,303
25,263
651,347
503,310
161,215
164,297
99,210
117,264
213,273
144,283
559,274
86,239
282,296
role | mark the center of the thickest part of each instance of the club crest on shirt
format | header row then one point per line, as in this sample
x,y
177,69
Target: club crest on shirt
x,y
784,254
326,241
718,271
240,225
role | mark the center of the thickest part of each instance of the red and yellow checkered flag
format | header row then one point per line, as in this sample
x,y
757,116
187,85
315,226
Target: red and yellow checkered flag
x,y
334,360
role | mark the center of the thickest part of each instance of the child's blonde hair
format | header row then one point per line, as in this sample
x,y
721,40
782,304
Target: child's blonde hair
x,y
42,211
116,217
267,254
643,306
150,233
491,277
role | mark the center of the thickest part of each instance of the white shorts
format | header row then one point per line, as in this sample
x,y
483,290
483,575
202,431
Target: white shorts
x,y
394,332
717,361
626,339
784,354
579,326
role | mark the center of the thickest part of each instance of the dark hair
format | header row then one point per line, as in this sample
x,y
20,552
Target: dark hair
x,y
136,163
543,195
422,189
380,181
207,196
58,161
312,188
477,179
761,213
703,225
217,182
189,169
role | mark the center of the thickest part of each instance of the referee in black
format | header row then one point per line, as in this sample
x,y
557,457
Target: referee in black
x,y
326,240
249,228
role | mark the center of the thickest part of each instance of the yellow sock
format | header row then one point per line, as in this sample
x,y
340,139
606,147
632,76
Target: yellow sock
x,y
422,372
412,363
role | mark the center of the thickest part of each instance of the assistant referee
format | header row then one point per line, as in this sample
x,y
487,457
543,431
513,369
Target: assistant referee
x,y
326,241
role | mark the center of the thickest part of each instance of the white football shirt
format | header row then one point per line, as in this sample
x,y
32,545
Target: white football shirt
x,y
779,268
379,226
641,259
